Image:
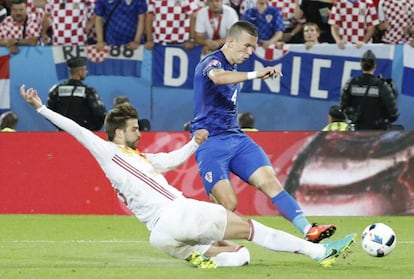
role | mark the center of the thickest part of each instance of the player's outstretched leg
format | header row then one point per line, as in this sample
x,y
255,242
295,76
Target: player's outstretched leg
x,y
290,209
335,249
318,232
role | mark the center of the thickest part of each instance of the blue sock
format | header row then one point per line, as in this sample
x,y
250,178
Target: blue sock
x,y
289,208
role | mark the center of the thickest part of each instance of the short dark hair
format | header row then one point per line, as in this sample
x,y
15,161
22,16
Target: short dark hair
x,y
117,118
368,60
246,120
337,113
240,26
17,2
8,120
144,124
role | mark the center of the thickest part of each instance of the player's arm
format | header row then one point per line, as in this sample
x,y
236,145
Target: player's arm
x,y
163,162
220,76
83,135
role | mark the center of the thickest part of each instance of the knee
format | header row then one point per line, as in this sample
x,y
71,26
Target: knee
x,y
229,202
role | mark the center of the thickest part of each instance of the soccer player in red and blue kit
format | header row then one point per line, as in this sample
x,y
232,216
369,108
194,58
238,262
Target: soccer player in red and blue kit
x,y
228,149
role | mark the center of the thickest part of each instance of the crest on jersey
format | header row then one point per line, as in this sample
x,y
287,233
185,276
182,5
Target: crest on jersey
x,y
214,63
273,52
269,18
209,177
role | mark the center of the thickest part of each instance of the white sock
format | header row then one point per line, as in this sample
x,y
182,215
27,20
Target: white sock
x,y
281,241
236,258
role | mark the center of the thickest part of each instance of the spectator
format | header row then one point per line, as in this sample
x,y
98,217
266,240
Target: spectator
x,y
268,21
20,28
37,7
311,33
336,119
144,125
71,22
76,100
247,121
8,122
397,21
370,98
212,23
292,25
120,22
316,11
353,22
170,23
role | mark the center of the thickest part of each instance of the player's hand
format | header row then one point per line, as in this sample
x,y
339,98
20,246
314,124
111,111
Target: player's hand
x,y
31,96
269,72
200,136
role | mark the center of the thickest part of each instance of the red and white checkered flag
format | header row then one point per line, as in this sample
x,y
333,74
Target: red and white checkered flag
x,y
95,55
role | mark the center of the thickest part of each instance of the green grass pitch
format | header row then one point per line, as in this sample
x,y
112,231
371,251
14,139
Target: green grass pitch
x,y
56,246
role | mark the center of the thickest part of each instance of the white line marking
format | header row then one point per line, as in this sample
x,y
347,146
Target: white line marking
x,y
75,241
108,241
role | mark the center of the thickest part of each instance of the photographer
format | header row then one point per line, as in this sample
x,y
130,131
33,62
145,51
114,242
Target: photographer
x,y
369,101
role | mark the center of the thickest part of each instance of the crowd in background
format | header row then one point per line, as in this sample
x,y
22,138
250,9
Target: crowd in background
x,y
204,22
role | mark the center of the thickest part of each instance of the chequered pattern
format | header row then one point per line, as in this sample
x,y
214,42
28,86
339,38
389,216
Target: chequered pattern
x,y
39,12
9,29
398,13
171,19
353,18
286,7
96,55
271,54
69,19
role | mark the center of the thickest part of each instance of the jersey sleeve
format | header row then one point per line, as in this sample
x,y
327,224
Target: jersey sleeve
x,y
88,139
163,162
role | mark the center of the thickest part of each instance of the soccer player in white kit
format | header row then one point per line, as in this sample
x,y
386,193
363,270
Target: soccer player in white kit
x,y
181,227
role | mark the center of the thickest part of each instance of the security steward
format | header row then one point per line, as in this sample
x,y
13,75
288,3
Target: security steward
x,y
370,99
77,101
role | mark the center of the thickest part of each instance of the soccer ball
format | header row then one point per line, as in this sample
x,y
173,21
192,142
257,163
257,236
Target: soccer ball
x,y
378,240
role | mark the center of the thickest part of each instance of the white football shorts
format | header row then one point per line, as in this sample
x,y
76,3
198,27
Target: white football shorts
x,y
189,225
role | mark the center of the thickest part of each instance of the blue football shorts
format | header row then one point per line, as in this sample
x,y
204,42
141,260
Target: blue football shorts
x,y
222,154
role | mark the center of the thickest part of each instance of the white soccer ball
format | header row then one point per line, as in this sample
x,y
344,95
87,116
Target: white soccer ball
x,y
378,240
